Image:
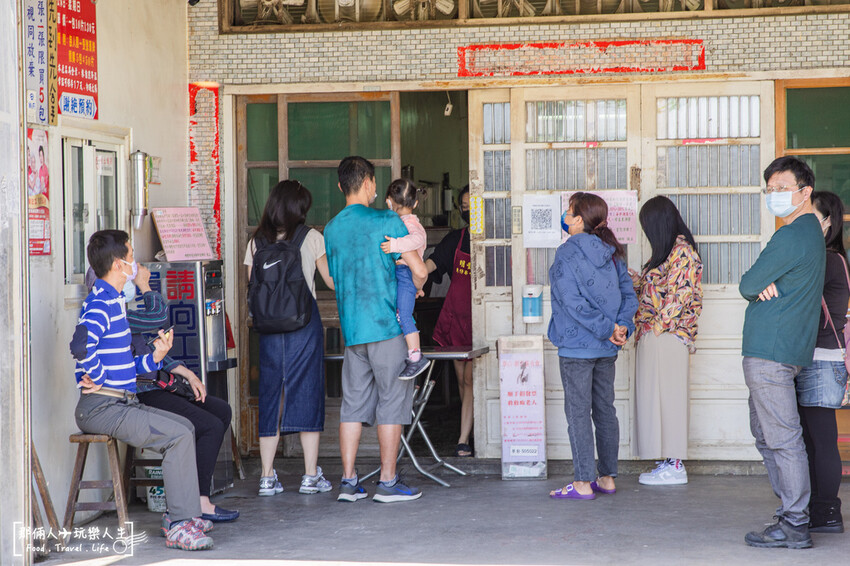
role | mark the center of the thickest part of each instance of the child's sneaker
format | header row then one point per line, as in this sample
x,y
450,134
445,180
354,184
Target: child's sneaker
x,y
269,485
315,484
668,472
185,535
412,369
203,524
351,490
395,490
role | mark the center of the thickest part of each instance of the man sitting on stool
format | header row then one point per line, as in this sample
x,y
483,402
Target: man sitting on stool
x,y
107,382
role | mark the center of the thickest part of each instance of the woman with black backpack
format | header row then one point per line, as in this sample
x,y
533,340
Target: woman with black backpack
x,y
293,358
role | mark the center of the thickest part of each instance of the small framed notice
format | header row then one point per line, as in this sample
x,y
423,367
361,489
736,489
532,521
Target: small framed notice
x,y
182,233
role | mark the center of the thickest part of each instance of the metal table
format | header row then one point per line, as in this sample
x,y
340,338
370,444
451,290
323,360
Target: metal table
x,y
420,401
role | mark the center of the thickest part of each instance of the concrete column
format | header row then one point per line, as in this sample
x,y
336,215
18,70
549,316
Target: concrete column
x,y
14,343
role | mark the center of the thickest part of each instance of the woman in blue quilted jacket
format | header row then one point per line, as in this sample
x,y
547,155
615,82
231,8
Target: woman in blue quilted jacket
x,y
593,309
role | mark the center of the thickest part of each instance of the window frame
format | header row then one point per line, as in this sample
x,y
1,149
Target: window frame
x,y
781,116
90,194
711,9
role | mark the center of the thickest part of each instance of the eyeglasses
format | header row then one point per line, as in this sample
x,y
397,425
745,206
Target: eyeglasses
x,y
781,188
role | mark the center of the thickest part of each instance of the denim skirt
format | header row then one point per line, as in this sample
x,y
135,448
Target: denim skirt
x,y
822,384
292,364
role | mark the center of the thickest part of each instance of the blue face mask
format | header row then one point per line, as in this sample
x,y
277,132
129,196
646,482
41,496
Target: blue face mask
x,y
129,291
780,204
564,226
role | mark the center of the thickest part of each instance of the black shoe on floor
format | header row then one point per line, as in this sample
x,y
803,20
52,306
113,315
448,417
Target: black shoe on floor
x,y
781,534
826,518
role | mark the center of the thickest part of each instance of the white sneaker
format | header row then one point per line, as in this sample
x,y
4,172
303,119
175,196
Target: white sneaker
x,y
668,472
270,485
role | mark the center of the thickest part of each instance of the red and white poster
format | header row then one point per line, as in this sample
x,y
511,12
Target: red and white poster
x,y
77,58
38,193
523,406
622,212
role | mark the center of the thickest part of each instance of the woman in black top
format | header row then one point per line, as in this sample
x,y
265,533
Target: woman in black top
x,y
454,325
820,387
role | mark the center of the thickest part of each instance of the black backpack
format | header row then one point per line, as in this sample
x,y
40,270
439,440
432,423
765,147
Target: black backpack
x,y
279,297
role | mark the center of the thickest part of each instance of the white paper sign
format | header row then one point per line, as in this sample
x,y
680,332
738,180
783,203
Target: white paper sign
x,y
523,406
541,221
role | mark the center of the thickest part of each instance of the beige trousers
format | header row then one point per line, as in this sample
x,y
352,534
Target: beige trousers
x,y
661,397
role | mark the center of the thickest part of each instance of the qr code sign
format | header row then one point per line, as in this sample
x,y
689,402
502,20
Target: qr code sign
x,y
541,218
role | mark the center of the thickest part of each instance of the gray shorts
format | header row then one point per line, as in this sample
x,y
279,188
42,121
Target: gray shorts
x,y
372,393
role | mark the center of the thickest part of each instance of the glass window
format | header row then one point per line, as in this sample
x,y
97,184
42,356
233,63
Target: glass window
x,y
79,212
94,178
333,130
818,117
832,173
328,200
262,132
261,180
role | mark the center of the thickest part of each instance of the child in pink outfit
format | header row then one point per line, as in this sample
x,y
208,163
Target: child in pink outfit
x,y
402,198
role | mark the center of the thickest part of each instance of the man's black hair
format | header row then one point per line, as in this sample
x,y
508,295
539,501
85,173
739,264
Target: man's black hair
x,y
802,172
104,248
352,171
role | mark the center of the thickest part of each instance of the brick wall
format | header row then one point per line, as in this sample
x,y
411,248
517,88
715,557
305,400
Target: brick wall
x,y
731,45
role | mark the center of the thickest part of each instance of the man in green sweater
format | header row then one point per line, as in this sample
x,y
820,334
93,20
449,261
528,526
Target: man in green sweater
x,y
784,288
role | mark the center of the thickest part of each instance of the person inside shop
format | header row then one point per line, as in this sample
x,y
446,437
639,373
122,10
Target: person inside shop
x,y
375,350
454,324
175,388
783,288
106,378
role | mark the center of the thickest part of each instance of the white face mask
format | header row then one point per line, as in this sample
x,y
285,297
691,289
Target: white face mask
x,y
134,266
129,291
780,203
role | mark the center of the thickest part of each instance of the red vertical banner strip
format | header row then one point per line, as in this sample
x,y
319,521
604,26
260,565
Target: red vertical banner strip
x,y
196,158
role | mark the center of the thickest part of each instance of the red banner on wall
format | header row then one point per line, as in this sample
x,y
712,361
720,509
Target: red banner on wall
x,y
77,58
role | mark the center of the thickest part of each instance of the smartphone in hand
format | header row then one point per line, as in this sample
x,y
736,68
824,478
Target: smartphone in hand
x,y
155,338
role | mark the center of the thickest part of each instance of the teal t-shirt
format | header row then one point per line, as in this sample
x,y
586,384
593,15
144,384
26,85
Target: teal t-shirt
x,y
364,276
784,329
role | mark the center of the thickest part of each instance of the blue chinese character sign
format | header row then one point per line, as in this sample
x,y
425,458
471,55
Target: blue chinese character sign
x,y
77,58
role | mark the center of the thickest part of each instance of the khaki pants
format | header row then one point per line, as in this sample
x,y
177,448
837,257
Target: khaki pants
x,y
661,397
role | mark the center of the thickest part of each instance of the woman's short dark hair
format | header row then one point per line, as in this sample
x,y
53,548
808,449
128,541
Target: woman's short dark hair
x,y
405,193
662,223
830,206
594,212
287,207
105,246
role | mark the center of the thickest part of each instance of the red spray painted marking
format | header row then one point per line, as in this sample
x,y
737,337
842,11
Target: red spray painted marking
x,y
466,57
194,89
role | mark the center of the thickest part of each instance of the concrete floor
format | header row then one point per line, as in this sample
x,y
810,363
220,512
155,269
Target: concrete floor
x,y
484,520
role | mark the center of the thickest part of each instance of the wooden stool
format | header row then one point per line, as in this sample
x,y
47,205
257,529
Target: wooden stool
x,y
77,483
130,462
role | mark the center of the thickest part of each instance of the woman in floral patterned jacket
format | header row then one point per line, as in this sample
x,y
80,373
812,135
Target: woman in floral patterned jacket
x,y
669,291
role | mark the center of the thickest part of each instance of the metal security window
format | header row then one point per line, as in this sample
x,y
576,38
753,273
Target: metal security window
x,y
94,198
573,145
709,162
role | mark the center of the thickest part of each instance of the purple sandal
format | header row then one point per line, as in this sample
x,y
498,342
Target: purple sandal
x,y
569,492
597,489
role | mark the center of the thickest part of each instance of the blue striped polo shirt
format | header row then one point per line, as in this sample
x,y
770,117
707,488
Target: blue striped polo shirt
x,y
109,360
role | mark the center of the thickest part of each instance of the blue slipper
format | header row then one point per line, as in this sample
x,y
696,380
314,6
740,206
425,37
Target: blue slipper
x,y
221,515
